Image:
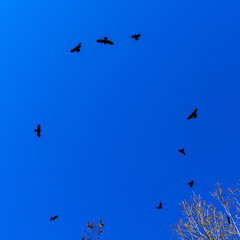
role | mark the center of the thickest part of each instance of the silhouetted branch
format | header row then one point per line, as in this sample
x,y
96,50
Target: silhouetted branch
x,y
93,232
203,221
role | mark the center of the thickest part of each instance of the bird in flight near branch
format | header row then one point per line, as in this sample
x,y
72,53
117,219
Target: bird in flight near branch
x,y
53,218
77,48
228,218
193,114
182,151
38,130
160,206
191,183
136,36
105,41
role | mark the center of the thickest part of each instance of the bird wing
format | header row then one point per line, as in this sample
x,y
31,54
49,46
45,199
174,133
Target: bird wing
x,y
73,50
38,134
133,36
101,41
38,127
160,204
109,42
138,35
195,111
190,116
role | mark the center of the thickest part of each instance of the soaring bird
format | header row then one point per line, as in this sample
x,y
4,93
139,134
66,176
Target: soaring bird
x,y
228,218
77,48
191,183
160,206
53,218
136,36
38,130
182,151
193,114
105,41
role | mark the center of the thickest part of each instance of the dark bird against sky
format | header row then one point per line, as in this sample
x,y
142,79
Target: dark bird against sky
x,y
136,36
182,151
53,218
38,130
105,41
228,218
160,206
191,183
193,114
77,48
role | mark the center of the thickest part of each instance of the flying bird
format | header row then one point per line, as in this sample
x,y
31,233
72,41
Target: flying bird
x,y
228,218
105,41
182,151
136,36
77,48
38,130
53,218
191,183
160,206
193,114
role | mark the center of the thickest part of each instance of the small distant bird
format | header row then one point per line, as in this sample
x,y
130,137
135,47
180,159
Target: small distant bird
x,y
53,218
77,48
105,41
136,36
191,183
160,206
182,151
38,130
228,218
193,114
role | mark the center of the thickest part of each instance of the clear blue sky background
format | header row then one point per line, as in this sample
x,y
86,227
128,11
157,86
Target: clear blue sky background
x,y
114,117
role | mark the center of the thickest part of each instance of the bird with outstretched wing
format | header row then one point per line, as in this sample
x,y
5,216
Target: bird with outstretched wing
x,y
77,48
53,218
193,114
191,183
160,206
136,36
182,151
38,130
105,41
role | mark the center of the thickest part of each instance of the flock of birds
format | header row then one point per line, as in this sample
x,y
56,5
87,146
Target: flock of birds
x,y
77,49
106,41
192,115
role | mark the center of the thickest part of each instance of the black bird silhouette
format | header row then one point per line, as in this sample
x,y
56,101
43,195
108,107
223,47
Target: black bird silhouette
x,y
77,48
193,114
191,183
38,130
228,218
182,151
160,206
105,41
53,218
136,36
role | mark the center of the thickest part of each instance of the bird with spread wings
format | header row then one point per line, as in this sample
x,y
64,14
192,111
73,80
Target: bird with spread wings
x,y
105,41
193,114
38,130
53,218
77,48
136,36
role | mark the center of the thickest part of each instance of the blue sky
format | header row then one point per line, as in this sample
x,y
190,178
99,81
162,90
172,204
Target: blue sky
x,y
114,117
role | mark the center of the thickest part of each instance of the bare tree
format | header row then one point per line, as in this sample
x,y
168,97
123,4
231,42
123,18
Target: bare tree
x,y
93,232
204,221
